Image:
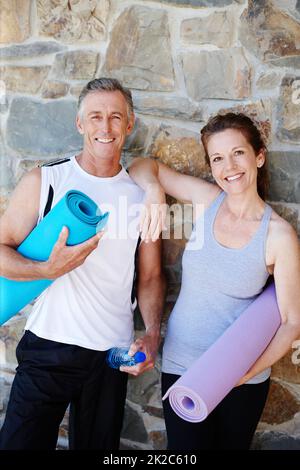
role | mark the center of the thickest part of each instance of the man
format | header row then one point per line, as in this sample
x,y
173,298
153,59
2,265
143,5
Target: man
x,y
88,309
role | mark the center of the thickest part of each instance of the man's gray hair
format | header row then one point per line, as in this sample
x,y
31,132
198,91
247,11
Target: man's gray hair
x,y
105,84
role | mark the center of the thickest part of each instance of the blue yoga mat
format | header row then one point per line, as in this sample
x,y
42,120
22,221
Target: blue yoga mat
x,y
82,217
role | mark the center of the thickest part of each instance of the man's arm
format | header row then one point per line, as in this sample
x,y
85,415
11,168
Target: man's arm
x,y
151,294
15,224
18,221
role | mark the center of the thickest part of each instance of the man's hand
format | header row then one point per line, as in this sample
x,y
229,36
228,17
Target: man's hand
x,y
153,215
149,345
64,259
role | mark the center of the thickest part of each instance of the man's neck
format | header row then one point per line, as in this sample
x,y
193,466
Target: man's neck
x,y
97,167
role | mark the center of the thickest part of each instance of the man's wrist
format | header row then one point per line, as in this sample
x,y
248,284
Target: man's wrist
x,y
41,269
153,330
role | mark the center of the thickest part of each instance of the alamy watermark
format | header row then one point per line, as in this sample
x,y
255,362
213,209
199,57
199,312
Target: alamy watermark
x,y
296,353
295,98
296,92
124,221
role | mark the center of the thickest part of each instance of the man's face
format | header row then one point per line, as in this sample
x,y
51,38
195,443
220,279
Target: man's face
x,y
104,123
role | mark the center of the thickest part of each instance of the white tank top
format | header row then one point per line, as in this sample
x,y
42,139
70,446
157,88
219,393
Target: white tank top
x,y
92,305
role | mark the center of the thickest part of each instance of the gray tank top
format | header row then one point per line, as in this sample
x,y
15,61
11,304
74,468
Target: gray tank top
x,y
218,283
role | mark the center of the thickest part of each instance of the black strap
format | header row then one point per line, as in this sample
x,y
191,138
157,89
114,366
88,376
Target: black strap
x,y
134,282
49,201
57,162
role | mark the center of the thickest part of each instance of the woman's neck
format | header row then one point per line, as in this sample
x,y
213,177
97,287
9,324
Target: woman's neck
x,y
241,206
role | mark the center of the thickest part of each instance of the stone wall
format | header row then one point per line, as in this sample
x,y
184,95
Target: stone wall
x,y
184,60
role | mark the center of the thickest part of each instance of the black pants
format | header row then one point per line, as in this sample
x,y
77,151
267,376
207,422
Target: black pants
x,y
231,425
49,377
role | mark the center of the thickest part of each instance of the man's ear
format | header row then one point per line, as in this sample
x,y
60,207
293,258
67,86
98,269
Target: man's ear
x,y
79,125
130,124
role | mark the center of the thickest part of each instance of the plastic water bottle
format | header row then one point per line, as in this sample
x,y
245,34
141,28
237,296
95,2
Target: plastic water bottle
x,y
117,357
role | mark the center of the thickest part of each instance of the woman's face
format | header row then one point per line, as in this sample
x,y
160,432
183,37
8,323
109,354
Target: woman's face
x,y
233,161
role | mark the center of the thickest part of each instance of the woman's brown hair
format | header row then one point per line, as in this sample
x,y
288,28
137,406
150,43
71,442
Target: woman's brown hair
x,y
246,126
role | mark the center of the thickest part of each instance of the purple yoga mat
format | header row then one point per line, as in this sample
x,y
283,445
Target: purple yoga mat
x,y
211,377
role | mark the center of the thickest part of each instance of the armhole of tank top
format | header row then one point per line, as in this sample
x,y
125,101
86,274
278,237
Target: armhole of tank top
x,y
44,194
209,207
267,220
133,295
218,198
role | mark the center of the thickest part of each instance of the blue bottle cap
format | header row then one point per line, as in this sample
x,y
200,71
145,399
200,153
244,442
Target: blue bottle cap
x,y
139,356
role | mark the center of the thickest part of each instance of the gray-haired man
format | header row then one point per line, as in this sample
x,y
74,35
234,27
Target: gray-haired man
x,y
88,309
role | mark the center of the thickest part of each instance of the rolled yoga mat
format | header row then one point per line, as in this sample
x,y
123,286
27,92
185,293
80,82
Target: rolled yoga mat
x,y
211,377
82,217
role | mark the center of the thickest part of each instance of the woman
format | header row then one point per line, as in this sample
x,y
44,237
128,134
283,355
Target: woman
x,y
244,242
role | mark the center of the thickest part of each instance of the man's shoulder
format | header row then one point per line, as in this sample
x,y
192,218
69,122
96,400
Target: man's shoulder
x,y
57,161
130,180
132,183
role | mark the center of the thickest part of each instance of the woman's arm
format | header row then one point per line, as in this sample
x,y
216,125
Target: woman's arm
x,y
148,173
286,251
157,179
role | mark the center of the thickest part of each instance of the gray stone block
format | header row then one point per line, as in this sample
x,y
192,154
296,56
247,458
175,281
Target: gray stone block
x,y
200,3
275,441
75,65
288,110
217,28
142,59
284,176
168,106
72,21
210,66
269,32
42,129
39,48
133,426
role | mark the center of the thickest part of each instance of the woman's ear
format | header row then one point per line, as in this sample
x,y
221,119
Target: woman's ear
x,y
260,159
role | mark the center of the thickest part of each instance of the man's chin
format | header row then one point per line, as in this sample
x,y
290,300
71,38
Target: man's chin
x,y
108,156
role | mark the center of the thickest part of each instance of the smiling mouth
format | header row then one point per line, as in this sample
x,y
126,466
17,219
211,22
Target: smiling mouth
x,y
234,177
104,141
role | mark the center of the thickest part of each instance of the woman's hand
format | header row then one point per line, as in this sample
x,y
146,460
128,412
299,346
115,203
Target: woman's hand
x,y
154,212
243,380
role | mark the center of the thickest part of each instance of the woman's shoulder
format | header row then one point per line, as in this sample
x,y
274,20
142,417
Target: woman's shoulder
x,y
282,241
281,232
207,196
